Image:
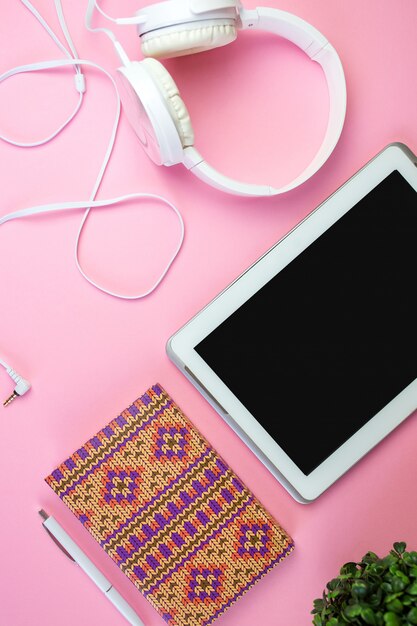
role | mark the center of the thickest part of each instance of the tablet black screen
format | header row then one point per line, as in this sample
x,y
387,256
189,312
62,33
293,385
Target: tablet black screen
x,y
332,338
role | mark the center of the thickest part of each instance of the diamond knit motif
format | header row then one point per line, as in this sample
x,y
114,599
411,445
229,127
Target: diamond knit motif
x,y
170,512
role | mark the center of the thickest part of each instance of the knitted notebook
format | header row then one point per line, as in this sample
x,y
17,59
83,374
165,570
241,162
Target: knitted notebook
x,y
170,512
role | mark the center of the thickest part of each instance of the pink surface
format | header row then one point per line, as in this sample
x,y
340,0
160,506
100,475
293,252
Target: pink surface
x,y
259,110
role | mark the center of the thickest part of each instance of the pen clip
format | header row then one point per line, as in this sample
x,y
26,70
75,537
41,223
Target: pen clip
x,y
60,546
54,539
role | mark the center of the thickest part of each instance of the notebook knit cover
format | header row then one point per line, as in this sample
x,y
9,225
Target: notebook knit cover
x,y
170,512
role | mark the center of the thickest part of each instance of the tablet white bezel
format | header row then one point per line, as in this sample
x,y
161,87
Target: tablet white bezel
x,y
181,345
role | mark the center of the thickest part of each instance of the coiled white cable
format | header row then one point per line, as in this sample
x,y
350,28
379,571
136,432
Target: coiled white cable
x,y
36,67
90,204
74,61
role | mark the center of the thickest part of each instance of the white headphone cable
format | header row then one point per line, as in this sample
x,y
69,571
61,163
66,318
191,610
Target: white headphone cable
x,y
22,385
90,204
36,67
91,6
77,63
74,61
116,20
100,10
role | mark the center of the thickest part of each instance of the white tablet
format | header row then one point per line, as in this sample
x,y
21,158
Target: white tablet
x,y
311,354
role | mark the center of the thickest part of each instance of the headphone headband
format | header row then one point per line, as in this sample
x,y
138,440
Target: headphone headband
x,y
316,46
170,12
166,16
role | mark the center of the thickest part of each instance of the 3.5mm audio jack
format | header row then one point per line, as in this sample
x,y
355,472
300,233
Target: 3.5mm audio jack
x,y
11,398
22,385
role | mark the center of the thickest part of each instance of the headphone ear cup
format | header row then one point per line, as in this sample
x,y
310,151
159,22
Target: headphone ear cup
x,y
188,39
175,103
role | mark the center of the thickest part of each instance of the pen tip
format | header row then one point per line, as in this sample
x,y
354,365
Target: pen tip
x,y
43,514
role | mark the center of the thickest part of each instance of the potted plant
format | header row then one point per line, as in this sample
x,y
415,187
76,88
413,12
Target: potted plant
x,y
375,591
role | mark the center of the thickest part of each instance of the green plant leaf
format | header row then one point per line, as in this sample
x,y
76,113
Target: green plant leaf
x,y
360,589
380,619
348,569
408,600
392,596
412,589
376,591
317,621
396,606
332,584
392,557
368,616
398,585
412,616
352,610
407,559
333,621
375,599
318,605
392,619
370,557
400,546
377,569
399,574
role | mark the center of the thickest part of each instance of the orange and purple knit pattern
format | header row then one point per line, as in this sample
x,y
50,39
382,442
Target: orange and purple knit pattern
x,y
170,512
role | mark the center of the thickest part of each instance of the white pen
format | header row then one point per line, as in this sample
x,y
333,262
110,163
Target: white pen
x,y
74,552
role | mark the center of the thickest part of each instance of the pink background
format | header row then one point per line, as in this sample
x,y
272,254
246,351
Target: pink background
x,y
259,110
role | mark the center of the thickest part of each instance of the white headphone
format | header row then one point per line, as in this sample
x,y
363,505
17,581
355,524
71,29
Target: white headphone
x,y
155,108
151,99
